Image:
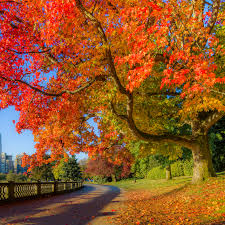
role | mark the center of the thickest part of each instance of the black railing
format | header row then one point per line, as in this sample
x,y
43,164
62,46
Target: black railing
x,y
11,191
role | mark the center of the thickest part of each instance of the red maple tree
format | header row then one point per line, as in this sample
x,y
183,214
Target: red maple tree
x,y
63,62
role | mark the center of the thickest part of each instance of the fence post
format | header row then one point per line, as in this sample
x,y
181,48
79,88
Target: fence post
x,y
11,190
38,188
55,186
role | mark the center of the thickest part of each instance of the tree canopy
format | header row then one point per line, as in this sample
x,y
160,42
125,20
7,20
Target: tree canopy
x,y
139,68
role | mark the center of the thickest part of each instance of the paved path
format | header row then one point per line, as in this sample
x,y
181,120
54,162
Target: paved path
x,y
93,204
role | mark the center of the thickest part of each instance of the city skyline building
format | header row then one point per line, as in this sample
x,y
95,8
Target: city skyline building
x,y
7,164
0,143
2,160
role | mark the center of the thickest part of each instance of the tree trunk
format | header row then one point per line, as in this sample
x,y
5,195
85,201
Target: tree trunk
x,y
168,172
113,178
203,167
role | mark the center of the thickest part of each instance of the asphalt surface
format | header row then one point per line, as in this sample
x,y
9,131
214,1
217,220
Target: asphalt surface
x,y
93,204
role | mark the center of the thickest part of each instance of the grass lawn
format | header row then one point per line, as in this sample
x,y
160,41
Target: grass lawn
x,y
176,201
152,185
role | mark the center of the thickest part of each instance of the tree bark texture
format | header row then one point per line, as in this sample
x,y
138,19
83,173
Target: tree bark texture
x,y
168,173
203,167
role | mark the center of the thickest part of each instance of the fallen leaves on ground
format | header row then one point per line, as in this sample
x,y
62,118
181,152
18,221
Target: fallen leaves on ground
x,y
192,204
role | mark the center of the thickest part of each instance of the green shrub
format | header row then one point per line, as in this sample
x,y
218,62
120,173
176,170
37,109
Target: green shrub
x,y
21,178
177,169
157,173
2,176
188,167
99,179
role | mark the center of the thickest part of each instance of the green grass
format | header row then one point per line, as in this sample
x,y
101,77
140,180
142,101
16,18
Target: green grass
x,y
147,184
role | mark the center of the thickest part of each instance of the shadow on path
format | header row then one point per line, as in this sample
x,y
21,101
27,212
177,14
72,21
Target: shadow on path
x,y
218,223
78,208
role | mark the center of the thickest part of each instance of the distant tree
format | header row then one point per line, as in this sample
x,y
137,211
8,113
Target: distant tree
x,y
83,165
21,178
11,176
2,176
68,170
147,156
101,166
43,172
142,165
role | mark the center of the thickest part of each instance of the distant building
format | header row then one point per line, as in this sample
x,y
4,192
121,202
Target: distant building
x,y
0,144
9,163
18,164
0,153
6,163
3,162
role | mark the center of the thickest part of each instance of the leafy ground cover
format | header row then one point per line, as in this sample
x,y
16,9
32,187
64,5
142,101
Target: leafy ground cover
x,y
174,202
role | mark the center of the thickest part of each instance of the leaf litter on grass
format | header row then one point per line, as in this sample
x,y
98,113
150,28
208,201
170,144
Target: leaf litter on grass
x,y
190,204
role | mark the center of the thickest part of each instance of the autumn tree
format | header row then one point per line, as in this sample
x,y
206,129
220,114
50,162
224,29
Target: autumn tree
x,y
83,165
68,170
142,66
101,166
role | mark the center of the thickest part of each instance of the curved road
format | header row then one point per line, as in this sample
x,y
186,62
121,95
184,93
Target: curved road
x,y
93,204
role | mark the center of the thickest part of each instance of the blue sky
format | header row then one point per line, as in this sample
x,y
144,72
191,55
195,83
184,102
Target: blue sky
x,y
12,142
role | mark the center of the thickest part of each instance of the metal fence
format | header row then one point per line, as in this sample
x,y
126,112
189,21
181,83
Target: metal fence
x,y
11,191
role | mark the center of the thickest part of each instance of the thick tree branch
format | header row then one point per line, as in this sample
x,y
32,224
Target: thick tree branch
x,y
161,58
86,118
113,6
123,117
206,2
10,2
129,117
106,45
150,19
184,141
169,93
204,122
88,84
212,119
29,52
215,11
